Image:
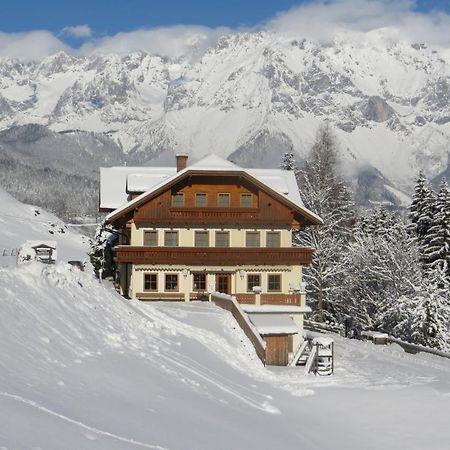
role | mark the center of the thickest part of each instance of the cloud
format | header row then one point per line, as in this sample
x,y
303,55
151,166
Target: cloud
x,y
31,45
322,20
319,20
172,41
78,31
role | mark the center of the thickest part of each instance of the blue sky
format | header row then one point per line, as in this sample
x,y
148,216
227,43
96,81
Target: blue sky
x,y
108,17
37,28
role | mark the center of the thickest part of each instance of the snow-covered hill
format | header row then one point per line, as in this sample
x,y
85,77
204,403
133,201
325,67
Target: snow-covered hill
x,y
253,94
83,368
20,223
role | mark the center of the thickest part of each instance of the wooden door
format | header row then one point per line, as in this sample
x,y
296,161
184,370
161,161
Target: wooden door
x,y
223,283
276,350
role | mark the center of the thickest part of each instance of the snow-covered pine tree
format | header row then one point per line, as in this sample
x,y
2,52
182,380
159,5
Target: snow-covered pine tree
x,y
436,242
420,224
288,162
97,253
431,318
422,211
325,192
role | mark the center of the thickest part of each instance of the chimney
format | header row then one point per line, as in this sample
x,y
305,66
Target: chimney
x,y
181,161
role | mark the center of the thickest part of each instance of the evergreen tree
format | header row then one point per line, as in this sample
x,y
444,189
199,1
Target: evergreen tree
x,y
101,254
431,321
288,162
437,240
417,211
422,211
325,192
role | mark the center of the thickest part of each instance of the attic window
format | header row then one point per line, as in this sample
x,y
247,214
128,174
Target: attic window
x,y
246,200
223,200
201,199
178,200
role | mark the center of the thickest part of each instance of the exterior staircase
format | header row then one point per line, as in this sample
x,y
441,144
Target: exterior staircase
x,y
316,355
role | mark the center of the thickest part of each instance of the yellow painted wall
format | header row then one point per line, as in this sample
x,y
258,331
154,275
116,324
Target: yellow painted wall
x,y
186,235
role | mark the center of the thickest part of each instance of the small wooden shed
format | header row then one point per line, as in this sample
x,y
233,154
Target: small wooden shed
x,y
275,329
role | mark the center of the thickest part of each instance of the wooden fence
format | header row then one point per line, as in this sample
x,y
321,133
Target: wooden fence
x,y
408,347
230,304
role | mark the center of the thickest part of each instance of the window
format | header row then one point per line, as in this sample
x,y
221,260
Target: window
x,y
150,282
178,200
171,282
274,283
223,200
201,199
151,238
222,239
252,239
252,281
201,239
199,282
273,239
246,200
171,238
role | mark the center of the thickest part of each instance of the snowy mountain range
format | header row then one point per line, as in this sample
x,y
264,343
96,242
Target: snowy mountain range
x,y
250,98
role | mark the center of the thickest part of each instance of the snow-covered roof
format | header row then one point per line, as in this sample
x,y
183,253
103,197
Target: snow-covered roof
x,y
116,181
273,324
275,309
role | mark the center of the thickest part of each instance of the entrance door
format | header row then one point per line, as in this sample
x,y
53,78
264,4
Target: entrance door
x,y
223,283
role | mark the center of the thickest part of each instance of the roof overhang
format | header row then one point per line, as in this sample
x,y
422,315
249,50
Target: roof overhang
x,y
310,217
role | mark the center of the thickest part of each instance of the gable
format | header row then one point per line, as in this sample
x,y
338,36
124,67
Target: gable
x,y
269,207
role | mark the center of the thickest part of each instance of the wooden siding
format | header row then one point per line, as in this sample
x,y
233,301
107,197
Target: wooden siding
x,y
212,187
277,350
280,299
266,210
213,256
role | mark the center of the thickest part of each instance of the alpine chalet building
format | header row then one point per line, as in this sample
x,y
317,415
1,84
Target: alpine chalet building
x,y
190,230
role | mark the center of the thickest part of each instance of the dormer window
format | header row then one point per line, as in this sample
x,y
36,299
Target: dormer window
x,y
201,199
178,200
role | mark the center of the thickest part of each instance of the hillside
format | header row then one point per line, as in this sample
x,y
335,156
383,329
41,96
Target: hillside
x,y
83,368
20,222
250,98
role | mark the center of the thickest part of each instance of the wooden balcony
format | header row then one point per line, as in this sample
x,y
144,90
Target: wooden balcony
x,y
212,215
213,256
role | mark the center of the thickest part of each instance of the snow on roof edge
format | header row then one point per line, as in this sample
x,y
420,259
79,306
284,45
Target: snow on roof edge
x,y
216,167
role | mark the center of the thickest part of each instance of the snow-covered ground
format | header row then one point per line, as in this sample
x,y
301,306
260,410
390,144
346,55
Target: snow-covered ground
x,y
20,223
83,368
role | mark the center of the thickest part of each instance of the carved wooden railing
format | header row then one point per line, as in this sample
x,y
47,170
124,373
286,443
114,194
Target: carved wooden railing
x,y
248,299
230,304
230,256
212,215
281,299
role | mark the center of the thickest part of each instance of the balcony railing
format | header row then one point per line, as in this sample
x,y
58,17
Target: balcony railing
x,y
212,215
230,256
